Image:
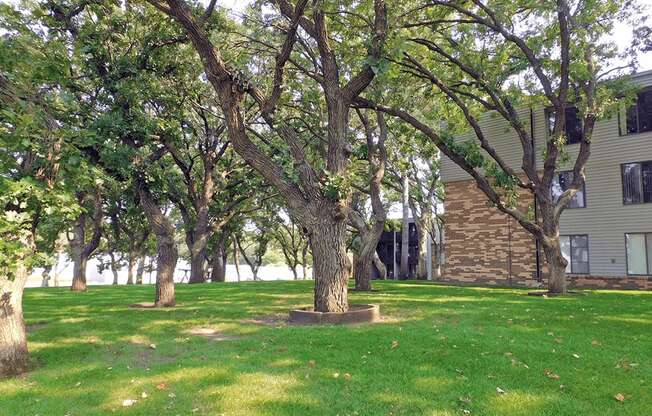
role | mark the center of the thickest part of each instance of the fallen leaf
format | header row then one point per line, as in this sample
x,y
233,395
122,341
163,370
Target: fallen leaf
x,y
551,375
347,376
619,397
152,346
143,395
394,344
128,402
595,343
311,363
161,386
336,375
500,391
172,395
576,355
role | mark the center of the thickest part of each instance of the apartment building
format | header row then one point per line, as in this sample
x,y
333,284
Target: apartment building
x,y
606,229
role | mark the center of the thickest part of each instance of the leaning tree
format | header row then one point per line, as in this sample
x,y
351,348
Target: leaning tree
x,y
480,56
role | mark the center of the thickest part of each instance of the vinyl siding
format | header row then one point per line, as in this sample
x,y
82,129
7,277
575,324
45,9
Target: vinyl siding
x,y
605,219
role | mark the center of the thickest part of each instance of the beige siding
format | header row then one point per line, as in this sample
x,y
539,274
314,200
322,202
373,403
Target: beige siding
x,y
605,219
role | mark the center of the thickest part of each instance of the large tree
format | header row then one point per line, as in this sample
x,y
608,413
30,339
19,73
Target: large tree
x,y
473,54
313,192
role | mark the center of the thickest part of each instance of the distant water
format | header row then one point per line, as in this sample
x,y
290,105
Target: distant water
x,y
181,274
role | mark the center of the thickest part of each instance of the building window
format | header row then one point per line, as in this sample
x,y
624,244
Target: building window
x,y
561,182
637,182
638,117
574,128
639,253
575,249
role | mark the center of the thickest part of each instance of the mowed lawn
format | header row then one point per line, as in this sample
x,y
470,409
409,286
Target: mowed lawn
x,y
441,351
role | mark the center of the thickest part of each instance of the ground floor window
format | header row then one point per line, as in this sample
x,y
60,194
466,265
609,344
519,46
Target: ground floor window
x,y
575,249
639,253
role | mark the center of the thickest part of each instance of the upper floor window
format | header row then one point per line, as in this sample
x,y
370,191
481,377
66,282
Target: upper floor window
x,y
637,182
638,117
575,249
639,253
574,128
561,183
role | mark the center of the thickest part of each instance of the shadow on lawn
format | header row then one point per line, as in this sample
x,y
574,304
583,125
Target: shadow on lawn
x,y
448,349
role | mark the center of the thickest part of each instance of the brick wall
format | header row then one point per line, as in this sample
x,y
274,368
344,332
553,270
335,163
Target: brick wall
x,y
481,241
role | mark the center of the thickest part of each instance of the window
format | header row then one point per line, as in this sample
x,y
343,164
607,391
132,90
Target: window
x,y
637,182
638,117
639,253
575,249
574,129
561,183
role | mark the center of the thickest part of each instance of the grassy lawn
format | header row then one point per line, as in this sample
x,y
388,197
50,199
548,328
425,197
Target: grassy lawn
x,y
441,351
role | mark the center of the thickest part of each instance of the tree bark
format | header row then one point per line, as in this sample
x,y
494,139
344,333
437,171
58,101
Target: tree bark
x,y
380,266
140,269
82,250
13,338
114,268
556,266
197,263
236,257
131,266
218,274
166,248
404,271
331,265
422,249
45,276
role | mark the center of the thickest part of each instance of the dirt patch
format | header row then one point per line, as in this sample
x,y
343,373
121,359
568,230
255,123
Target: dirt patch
x,y
35,327
268,320
211,334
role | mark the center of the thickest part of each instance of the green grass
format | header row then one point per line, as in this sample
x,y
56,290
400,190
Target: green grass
x,y
442,351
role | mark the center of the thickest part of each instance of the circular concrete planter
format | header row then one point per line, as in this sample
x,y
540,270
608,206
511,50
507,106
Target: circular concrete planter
x,y
356,314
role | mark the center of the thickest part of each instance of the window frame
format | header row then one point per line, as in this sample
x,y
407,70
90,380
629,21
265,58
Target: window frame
x,y
638,121
642,189
649,266
583,190
588,253
550,110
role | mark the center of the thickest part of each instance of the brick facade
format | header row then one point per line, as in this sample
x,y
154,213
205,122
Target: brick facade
x,y
485,246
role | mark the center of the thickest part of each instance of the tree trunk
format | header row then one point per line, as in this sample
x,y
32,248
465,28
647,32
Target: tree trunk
x,y
236,258
365,260
218,274
197,263
380,266
114,268
45,276
166,263
166,248
131,268
556,266
422,249
13,339
140,269
79,273
404,271
331,265
295,275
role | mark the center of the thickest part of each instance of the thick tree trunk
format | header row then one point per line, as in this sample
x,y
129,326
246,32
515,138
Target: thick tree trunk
x,y
365,260
556,266
404,270
218,274
331,265
79,273
197,263
167,254
166,263
13,339
140,269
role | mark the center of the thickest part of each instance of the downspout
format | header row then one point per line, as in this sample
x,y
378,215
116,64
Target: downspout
x,y
536,208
